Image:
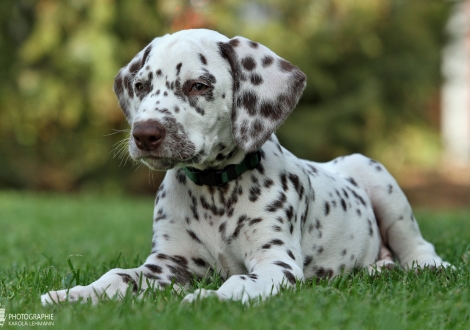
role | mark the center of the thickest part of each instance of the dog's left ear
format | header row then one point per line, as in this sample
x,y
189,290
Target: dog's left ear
x,y
266,88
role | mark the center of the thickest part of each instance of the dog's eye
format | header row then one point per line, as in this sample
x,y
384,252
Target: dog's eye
x,y
198,87
139,86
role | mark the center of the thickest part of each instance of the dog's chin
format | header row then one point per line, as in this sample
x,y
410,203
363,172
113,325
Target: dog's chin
x,y
160,164
163,163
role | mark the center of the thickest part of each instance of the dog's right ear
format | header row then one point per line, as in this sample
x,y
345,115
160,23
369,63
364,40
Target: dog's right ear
x,y
124,81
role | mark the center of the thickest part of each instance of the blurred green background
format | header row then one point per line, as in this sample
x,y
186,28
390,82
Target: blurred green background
x,y
373,72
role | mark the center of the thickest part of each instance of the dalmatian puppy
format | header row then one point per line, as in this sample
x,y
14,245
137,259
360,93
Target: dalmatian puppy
x,y
205,108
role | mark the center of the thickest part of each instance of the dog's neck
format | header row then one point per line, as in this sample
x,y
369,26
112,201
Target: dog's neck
x,y
219,177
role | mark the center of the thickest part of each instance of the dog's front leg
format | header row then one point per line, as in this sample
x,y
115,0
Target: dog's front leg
x,y
158,272
268,270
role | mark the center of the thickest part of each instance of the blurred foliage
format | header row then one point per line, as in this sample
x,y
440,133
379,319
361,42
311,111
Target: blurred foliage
x,y
372,67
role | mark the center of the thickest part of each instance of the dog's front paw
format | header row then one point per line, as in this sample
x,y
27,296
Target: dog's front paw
x,y
431,263
201,294
109,286
78,293
82,294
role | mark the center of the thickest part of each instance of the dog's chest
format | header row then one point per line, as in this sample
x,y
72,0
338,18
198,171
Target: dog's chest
x,y
211,221
310,209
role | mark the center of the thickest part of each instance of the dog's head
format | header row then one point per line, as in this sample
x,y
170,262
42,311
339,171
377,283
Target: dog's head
x,y
196,98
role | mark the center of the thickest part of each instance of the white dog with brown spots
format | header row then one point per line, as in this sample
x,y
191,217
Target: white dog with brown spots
x,y
205,108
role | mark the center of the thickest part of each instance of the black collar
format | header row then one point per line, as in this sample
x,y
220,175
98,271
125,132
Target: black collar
x,y
221,177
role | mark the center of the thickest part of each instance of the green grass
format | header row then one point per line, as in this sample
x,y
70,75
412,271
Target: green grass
x,y
43,236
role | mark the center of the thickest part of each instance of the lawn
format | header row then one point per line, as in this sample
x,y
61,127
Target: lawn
x,y
51,241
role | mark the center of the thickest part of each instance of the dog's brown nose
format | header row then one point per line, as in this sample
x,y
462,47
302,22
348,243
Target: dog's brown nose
x,y
148,135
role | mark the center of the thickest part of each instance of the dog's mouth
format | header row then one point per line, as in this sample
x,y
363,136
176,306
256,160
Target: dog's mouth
x,y
168,155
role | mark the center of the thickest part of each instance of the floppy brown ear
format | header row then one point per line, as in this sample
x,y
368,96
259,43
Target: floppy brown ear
x,y
266,88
